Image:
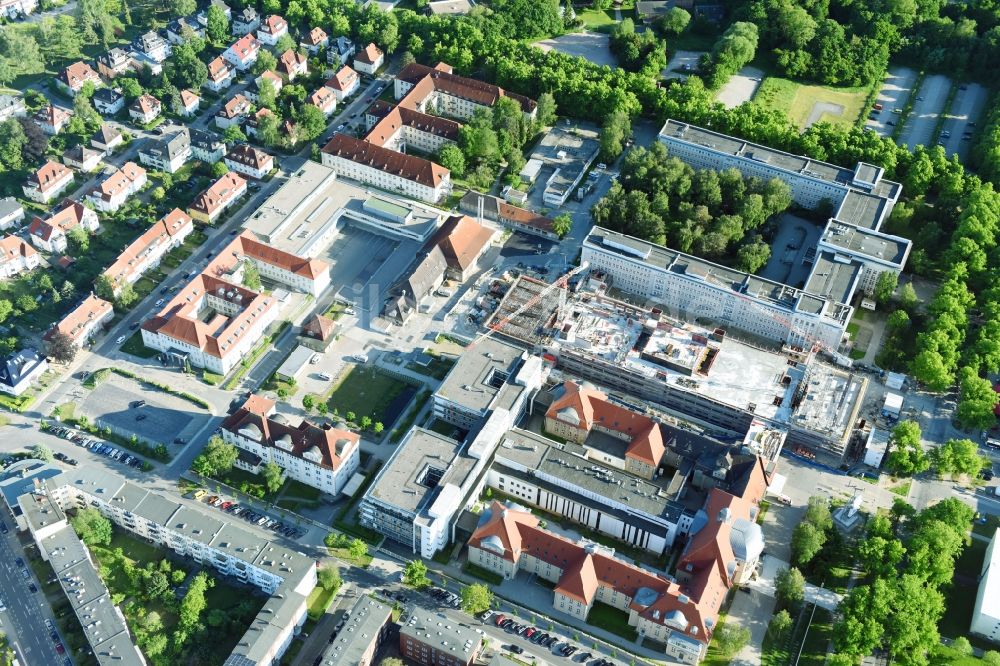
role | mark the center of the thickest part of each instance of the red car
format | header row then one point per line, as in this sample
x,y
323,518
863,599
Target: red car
x,y
226,505
498,620
60,649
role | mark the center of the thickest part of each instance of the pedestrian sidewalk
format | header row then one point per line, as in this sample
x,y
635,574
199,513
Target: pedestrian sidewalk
x,y
764,583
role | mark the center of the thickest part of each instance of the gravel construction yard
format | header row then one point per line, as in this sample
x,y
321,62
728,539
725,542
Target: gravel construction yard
x,y
740,88
592,46
805,105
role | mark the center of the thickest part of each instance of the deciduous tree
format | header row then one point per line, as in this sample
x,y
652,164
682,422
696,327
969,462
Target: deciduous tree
x,y
92,527
476,598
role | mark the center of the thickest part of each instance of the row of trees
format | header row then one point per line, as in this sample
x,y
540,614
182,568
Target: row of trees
x,y
638,51
736,48
901,604
709,213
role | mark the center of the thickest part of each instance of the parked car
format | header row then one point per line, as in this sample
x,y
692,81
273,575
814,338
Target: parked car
x,y
120,339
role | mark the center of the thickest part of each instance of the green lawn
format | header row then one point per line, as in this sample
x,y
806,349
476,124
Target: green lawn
x,y
958,600
299,490
946,656
596,20
611,619
438,368
135,347
318,601
797,100
818,638
902,489
482,574
366,392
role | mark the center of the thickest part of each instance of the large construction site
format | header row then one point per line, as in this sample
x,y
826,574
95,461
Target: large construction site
x,y
703,375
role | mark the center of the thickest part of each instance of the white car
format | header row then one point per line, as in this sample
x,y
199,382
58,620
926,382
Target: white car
x,y
359,358
325,377
120,339
160,302
315,359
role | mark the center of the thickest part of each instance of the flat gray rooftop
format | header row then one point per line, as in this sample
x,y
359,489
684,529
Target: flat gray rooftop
x,y
19,478
363,627
480,374
423,463
861,209
857,240
443,634
833,278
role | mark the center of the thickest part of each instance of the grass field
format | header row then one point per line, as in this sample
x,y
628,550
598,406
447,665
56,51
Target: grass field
x,y
366,392
597,20
797,101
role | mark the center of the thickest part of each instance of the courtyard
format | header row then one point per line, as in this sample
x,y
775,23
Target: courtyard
x,y
367,391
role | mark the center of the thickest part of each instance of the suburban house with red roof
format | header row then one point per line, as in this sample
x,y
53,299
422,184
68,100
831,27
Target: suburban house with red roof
x,y
325,100
344,83
219,196
232,112
271,29
580,411
314,41
321,457
146,251
369,59
84,321
292,64
48,182
214,321
72,79
242,54
144,109
249,161
49,233
52,118
190,102
112,193
396,172
220,75
16,257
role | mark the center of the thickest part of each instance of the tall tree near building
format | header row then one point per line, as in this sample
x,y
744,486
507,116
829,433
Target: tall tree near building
x,y
60,348
217,25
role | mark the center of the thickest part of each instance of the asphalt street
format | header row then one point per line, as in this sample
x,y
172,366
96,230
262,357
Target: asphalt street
x,y
24,619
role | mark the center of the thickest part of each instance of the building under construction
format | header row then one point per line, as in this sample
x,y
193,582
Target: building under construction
x,y
701,374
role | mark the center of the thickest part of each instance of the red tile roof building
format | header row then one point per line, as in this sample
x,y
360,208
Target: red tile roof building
x,y
399,128
48,182
145,109
220,75
292,64
232,112
316,39
52,119
581,410
344,83
369,59
243,52
462,241
146,251
418,86
111,193
324,99
249,161
321,457
222,194
682,615
49,233
74,77
16,257
84,321
214,322
272,29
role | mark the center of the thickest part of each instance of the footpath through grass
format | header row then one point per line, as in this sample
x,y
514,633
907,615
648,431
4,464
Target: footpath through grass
x,y
798,101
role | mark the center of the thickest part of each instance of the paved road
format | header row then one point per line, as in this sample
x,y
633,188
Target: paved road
x,y
24,619
966,109
927,107
895,91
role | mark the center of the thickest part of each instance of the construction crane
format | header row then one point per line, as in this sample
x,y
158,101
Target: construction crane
x,y
560,283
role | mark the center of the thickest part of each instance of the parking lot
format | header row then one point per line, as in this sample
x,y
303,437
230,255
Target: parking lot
x,y
592,46
895,91
927,108
960,122
741,87
130,407
681,64
253,516
97,446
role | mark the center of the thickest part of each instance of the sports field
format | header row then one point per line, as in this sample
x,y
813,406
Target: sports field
x,y
805,105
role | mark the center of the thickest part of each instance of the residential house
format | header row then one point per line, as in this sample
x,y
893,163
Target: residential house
x,y
272,29
232,112
49,233
152,47
206,146
108,101
114,191
245,22
323,458
325,100
424,643
292,64
146,251
220,75
83,158
52,118
12,106
368,627
387,169
48,182
226,11
252,92
13,9
11,213
16,257
84,322
145,109
190,102
341,51
72,78
249,161
180,30
168,153
462,241
252,122
318,332
315,40
242,54
20,369
107,138
222,194
114,63
344,83
369,59
214,322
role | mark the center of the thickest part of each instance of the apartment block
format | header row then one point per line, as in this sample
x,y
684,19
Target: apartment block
x,y
84,321
146,251
387,169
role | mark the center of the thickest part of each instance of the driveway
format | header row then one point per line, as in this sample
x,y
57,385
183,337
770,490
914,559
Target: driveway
x,y
740,88
682,59
752,610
